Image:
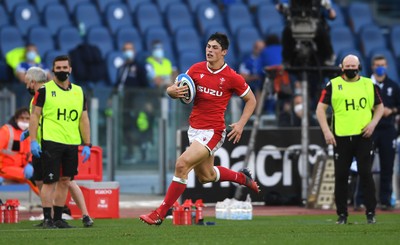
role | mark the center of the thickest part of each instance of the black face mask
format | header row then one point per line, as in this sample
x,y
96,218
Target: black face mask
x,y
61,76
31,91
351,73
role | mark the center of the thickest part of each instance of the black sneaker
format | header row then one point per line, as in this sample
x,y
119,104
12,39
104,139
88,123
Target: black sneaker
x,y
342,219
62,224
371,218
48,224
87,221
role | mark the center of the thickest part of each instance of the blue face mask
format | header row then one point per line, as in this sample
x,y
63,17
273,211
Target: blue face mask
x,y
380,70
31,55
158,53
129,54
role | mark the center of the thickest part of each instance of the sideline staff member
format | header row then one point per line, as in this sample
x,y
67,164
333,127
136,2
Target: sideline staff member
x,y
64,123
357,109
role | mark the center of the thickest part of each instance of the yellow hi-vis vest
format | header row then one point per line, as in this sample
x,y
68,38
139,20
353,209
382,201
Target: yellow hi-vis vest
x,y
352,104
61,114
160,69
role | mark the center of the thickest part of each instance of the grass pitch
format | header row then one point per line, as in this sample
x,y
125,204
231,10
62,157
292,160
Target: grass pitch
x,y
311,229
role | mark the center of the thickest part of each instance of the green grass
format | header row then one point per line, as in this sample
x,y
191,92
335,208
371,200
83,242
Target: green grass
x,y
312,229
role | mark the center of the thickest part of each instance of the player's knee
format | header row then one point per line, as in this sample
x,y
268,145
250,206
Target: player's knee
x,y
181,166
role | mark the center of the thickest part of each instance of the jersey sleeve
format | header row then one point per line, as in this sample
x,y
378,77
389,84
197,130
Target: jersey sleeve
x,y
239,85
326,95
377,95
40,97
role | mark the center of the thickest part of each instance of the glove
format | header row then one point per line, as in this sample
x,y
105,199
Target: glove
x,y
85,153
28,171
35,149
24,135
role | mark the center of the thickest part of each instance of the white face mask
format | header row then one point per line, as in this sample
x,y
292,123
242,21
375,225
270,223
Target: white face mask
x,y
23,125
298,108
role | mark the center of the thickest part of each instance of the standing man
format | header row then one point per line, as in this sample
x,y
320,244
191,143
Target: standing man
x,y
207,126
385,134
62,110
357,109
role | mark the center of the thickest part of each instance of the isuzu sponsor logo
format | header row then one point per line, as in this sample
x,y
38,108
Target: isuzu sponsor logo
x,y
103,192
209,91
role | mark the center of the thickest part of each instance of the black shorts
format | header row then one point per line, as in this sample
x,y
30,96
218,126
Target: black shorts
x,y
37,169
58,160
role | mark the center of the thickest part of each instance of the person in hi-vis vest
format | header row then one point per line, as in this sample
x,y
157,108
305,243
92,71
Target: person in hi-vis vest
x,y
61,108
357,109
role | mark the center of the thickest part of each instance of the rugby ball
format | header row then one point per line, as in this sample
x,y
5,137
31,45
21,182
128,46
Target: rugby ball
x,y
184,79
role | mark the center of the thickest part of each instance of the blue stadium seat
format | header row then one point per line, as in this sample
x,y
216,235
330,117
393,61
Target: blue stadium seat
x,y
41,4
267,16
177,15
100,37
187,59
102,4
394,40
114,60
237,15
10,38
49,57
359,15
68,38
185,39
391,62
159,33
10,4
4,19
341,38
258,3
87,14
276,29
345,52
147,15
116,16
231,58
339,20
25,17
128,34
245,38
41,37
193,4
54,24
71,4
163,4
371,37
220,29
133,4
207,16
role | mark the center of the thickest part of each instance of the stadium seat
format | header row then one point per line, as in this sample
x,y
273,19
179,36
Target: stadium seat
x,y
71,4
114,60
10,38
163,4
237,15
25,17
394,40
207,16
371,38
116,16
193,4
102,4
68,38
341,38
159,33
133,4
220,29
359,15
41,37
87,14
344,52
187,59
245,38
128,34
231,58
49,57
10,4
147,15
339,20
258,3
276,29
100,37
41,4
177,15
391,62
267,16
185,39
4,19
54,24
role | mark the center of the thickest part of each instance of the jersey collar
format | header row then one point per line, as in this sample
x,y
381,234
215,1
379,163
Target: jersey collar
x,y
217,71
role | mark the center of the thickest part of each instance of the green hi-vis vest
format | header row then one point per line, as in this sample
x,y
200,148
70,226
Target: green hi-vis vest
x,y
160,69
39,132
352,104
61,114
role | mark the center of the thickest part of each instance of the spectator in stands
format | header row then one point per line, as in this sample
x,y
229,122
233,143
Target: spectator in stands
x,y
15,156
31,54
159,67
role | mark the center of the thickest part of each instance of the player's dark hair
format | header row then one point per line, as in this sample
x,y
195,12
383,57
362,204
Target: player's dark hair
x,y
221,38
61,58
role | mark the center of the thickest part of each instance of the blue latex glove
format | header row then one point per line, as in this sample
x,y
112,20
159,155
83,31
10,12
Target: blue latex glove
x,y
24,135
85,153
28,171
35,149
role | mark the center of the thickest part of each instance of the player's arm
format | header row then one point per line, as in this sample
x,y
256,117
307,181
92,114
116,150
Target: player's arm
x,y
84,124
34,122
